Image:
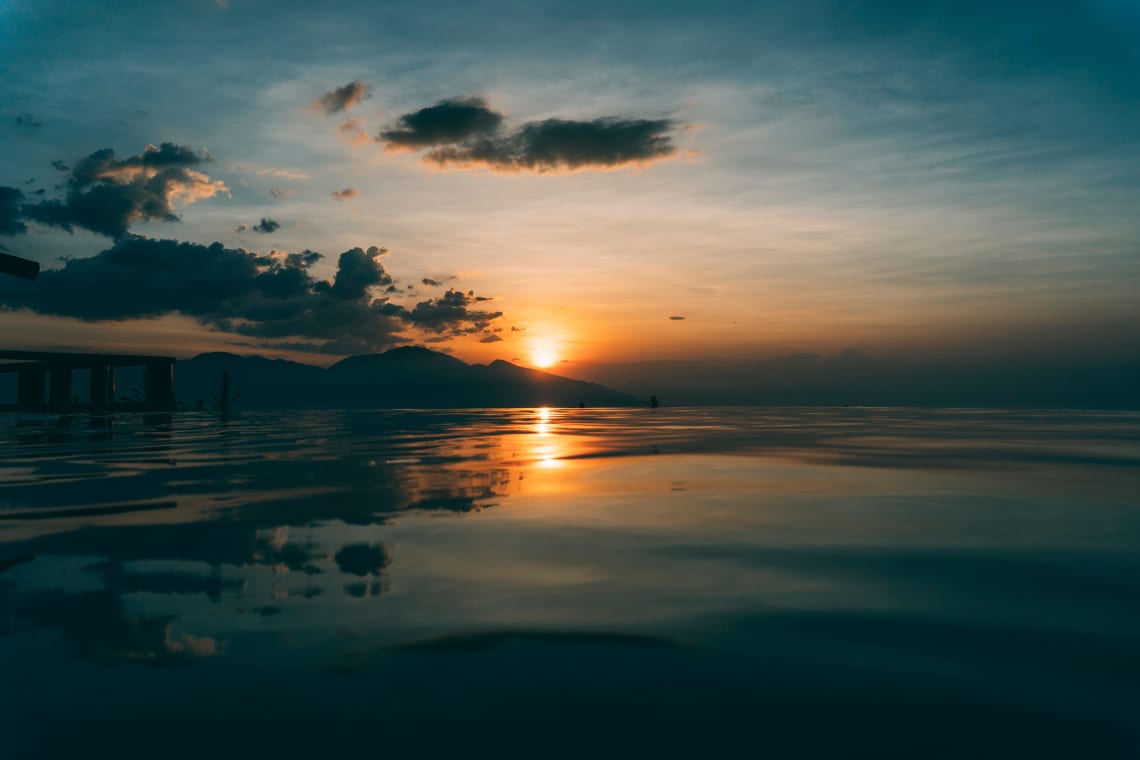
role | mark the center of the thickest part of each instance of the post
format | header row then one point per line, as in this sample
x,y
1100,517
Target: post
x,y
30,387
102,386
60,395
160,385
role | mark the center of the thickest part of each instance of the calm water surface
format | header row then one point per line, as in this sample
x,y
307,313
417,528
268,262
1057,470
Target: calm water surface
x,y
716,582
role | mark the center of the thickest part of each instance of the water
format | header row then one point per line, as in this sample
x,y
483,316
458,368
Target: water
x,y
716,582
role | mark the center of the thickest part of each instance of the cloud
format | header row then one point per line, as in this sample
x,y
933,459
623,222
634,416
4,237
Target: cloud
x,y
11,213
465,132
241,228
490,339
266,226
448,121
343,98
274,296
430,283
25,122
357,271
353,131
98,628
452,314
290,174
362,559
281,193
106,195
557,144
676,319
347,194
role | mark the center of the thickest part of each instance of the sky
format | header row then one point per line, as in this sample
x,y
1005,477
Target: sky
x,y
586,185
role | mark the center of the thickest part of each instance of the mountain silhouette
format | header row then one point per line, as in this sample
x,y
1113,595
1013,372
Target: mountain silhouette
x,y
408,377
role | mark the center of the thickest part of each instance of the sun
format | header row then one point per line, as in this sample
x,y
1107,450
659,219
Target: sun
x,y
544,357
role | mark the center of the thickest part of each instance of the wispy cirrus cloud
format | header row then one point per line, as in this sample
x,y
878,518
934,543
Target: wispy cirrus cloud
x,y
289,174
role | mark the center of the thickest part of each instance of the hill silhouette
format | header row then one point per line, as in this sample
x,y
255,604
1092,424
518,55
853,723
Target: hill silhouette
x,y
407,377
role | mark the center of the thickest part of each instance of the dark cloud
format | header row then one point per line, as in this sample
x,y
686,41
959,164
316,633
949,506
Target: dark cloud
x,y
357,271
465,132
362,559
26,122
429,282
447,122
60,166
517,328
490,339
11,211
557,144
273,296
106,195
343,98
676,319
452,314
346,194
266,226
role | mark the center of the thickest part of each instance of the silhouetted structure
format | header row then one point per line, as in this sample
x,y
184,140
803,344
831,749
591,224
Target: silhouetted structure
x,y
223,399
653,403
37,371
18,267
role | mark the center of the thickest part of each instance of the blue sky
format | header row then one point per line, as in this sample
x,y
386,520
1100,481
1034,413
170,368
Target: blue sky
x,y
886,176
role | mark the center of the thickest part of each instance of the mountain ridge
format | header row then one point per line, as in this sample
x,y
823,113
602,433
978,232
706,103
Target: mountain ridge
x,y
404,377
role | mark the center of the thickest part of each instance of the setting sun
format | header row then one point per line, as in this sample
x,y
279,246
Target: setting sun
x,y
544,357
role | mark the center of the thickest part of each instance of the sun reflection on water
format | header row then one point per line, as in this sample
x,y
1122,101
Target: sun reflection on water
x,y
547,451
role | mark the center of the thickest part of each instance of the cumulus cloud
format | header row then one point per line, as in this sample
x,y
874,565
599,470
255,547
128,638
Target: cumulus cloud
x,y
430,283
452,314
357,271
466,132
266,226
11,211
490,339
346,194
274,296
448,121
343,98
106,195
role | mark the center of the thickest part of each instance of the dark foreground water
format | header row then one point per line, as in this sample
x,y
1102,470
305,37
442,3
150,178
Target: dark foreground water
x,y
705,583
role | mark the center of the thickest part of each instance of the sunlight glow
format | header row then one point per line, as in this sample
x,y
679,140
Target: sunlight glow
x,y
544,356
